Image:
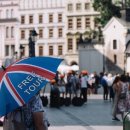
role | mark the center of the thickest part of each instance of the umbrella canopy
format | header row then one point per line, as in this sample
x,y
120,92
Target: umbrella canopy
x,y
20,81
64,68
75,67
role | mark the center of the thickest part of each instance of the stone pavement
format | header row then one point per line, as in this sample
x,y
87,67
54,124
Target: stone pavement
x,y
95,115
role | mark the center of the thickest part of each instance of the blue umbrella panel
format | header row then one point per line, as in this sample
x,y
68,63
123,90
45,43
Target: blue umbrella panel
x,y
23,79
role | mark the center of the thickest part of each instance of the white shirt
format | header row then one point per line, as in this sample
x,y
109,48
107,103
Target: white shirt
x,y
84,80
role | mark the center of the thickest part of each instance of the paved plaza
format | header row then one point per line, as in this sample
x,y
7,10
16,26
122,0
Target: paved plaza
x,y
95,115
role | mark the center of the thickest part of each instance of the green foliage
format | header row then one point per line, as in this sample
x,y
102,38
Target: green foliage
x,y
128,3
106,9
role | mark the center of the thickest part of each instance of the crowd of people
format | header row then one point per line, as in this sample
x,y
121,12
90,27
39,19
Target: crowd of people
x,y
115,88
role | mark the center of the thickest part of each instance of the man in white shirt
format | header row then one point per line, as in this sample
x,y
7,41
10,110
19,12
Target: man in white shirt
x,y
84,79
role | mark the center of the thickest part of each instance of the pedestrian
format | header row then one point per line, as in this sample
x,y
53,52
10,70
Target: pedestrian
x,y
84,80
105,87
120,87
91,83
61,85
37,113
32,115
74,81
69,85
110,80
54,94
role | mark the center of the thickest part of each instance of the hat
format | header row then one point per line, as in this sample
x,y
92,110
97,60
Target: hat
x,y
85,72
53,81
62,76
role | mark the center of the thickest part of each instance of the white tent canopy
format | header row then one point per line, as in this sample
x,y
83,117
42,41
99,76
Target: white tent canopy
x,y
75,67
64,67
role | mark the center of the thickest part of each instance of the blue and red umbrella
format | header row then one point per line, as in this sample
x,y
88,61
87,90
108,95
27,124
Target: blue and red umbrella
x,y
20,81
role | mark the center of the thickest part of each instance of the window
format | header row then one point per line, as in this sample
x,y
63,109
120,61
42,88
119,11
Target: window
x,y
22,52
22,19
40,50
87,6
30,31
77,41
31,19
70,7
87,22
7,32
6,50
22,34
60,33
50,18
60,50
12,49
50,33
50,50
78,6
70,44
12,13
12,32
114,44
7,13
95,24
59,18
115,59
70,23
40,18
40,33
78,23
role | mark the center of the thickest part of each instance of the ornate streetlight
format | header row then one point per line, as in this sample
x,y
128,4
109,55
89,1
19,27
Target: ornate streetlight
x,y
21,50
32,40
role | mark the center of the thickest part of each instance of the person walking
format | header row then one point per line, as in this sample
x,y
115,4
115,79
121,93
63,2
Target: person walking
x,y
31,116
105,87
120,87
96,84
110,80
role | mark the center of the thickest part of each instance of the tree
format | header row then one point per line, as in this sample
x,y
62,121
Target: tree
x,y
123,3
107,10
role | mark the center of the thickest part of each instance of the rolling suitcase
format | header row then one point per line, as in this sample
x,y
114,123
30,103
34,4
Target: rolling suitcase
x,y
67,101
77,101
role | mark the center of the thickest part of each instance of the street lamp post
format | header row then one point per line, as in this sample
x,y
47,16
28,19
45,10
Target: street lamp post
x,y
21,50
32,40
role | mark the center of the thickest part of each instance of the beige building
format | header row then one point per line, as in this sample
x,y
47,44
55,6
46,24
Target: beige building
x,y
116,37
58,23
80,20
8,27
48,19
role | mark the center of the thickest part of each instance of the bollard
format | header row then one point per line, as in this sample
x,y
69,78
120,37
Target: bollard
x,y
126,121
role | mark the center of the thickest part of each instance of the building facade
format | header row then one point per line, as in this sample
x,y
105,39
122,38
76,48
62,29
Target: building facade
x,y
58,23
8,27
48,20
80,20
116,36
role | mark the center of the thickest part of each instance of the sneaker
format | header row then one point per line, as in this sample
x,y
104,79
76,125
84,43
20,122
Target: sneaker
x,y
115,119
